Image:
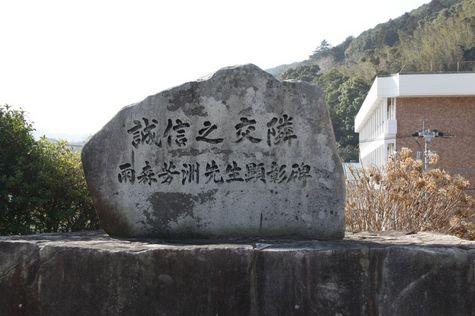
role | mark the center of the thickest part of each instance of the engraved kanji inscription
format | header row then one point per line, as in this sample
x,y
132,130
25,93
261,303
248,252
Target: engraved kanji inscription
x,y
255,172
135,131
127,173
175,133
144,133
299,172
147,176
280,130
204,133
213,173
277,173
149,135
233,172
190,173
168,172
245,130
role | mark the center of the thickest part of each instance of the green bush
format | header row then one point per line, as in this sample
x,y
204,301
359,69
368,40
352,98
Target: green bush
x,y
42,185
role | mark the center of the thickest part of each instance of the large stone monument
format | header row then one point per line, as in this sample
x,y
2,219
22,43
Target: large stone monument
x,y
239,154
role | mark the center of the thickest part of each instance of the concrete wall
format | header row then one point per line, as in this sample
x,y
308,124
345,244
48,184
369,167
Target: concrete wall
x,y
444,84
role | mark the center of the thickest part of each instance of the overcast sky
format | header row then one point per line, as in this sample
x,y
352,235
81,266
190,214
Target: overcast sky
x,y
73,64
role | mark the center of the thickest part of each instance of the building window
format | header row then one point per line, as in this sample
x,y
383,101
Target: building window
x,y
391,109
390,150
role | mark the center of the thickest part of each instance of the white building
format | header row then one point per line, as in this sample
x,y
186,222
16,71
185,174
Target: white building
x,y
398,97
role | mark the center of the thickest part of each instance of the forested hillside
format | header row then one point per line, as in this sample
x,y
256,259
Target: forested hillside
x,y
438,36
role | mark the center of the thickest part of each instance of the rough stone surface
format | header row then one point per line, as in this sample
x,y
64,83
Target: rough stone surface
x,y
238,154
364,274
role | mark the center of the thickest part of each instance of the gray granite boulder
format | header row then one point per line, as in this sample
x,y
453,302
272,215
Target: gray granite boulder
x,y
239,154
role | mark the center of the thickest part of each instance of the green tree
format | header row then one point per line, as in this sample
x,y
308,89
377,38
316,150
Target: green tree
x,y
440,44
351,96
344,96
42,186
18,172
322,50
306,73
65,201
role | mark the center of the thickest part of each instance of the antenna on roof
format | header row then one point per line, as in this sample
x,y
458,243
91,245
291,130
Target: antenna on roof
x,y
428,136
402,68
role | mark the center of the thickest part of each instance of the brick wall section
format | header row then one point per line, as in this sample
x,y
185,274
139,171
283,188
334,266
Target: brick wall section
x,y
452,115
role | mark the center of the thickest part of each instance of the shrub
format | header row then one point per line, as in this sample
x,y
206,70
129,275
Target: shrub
x,y
42,186
403,196
65,203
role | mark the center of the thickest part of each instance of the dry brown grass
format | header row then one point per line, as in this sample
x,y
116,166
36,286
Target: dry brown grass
x,y
402,196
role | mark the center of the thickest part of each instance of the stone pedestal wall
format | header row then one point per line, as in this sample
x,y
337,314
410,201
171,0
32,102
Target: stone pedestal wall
x,y
93,274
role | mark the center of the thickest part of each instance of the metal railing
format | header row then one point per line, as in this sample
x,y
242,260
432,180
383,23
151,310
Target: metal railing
x,y
432,67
